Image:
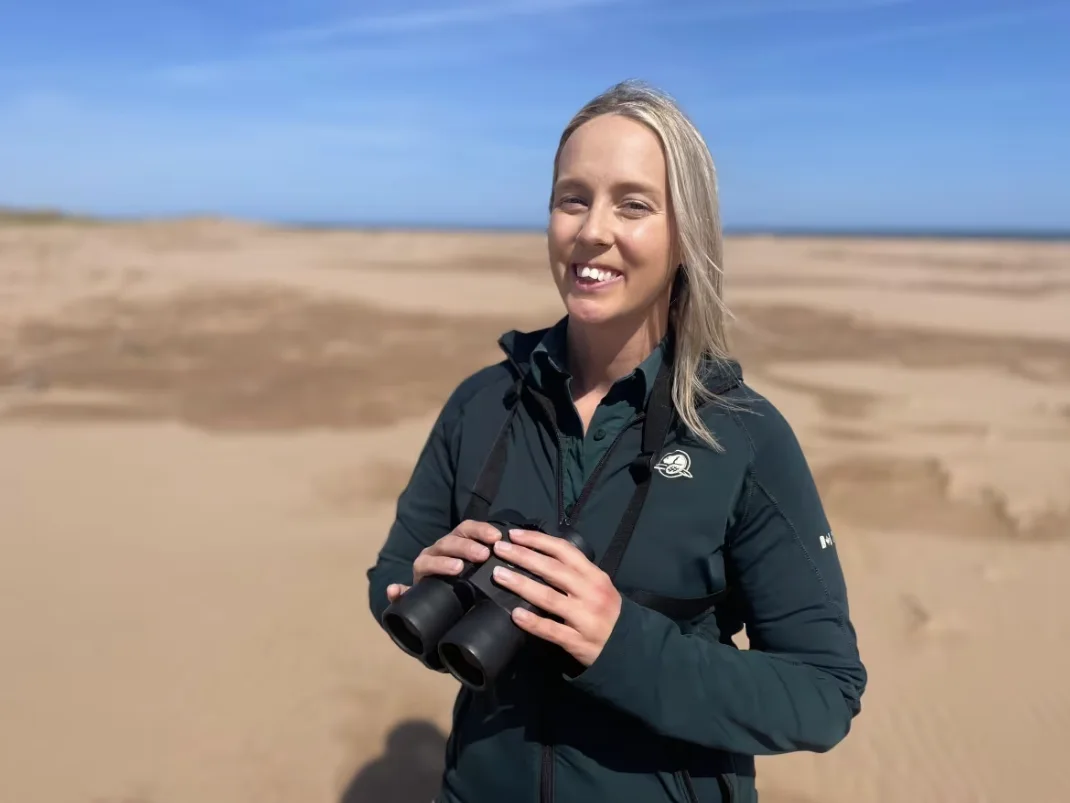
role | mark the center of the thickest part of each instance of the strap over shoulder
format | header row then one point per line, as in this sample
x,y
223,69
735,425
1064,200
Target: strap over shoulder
x,y
656,426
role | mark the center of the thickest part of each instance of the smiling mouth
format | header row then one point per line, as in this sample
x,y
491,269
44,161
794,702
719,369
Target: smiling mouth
x,y
589,275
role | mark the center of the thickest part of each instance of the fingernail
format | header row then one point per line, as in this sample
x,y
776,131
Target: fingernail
x,y
482,553
504,546
456,564
501,573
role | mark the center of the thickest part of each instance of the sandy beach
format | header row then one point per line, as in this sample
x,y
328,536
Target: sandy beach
x,y
204,425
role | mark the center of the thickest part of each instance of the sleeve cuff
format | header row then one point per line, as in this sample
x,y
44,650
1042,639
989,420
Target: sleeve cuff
x,y
606,675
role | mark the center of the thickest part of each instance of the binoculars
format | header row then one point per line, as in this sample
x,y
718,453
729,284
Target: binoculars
x,y
462,623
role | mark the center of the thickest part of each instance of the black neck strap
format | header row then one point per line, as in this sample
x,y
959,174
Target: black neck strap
x,y
656,424
490,476
659,419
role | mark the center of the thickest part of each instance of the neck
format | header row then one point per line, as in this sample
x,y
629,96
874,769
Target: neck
x,y
601,354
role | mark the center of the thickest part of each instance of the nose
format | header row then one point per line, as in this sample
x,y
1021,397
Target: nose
x,y
597,228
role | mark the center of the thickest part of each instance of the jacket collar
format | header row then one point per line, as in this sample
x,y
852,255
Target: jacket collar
x,y
519,346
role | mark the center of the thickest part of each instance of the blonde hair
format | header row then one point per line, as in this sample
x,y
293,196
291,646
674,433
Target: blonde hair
x,y
698,314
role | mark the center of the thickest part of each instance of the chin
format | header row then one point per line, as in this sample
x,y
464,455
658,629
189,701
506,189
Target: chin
x,y
592,312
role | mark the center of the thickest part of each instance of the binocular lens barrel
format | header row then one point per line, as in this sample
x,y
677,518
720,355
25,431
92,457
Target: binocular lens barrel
x,y
480,645
422,616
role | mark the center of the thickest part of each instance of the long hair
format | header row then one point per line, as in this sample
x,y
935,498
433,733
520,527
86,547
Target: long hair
x,y
698,313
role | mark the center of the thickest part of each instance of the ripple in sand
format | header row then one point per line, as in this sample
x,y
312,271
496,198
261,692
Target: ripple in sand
x,y
251,360
914,495
768,333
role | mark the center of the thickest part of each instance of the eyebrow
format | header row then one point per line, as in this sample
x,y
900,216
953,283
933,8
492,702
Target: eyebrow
x,y
623,186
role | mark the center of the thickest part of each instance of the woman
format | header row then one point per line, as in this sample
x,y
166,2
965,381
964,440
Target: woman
x,y
628,422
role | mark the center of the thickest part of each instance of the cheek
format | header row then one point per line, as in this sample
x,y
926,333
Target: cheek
x,y
560,236
646,249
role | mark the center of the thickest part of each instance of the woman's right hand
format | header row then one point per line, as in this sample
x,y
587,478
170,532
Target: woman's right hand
x,y
470,541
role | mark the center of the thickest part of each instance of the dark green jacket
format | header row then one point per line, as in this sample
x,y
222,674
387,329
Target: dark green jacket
x,y
671,710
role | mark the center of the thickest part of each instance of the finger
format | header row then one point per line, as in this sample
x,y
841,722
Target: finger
x,y
547,629
436,564
395,590
551,545
538,594
478,531
456,546
549,568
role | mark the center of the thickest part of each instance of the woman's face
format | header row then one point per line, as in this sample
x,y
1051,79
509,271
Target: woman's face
x,y
611,234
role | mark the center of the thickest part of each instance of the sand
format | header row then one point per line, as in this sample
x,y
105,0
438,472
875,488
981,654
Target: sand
x,y
204,426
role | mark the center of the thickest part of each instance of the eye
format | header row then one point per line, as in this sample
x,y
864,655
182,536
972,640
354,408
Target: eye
x,y
570,201
636,207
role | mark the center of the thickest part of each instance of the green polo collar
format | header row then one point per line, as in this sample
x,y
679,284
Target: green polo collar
x,y
549,362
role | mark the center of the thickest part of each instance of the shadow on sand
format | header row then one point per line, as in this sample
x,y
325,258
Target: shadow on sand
x,y
409,771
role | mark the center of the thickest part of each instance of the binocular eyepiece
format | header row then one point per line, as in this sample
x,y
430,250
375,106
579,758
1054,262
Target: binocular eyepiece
x,y
462,623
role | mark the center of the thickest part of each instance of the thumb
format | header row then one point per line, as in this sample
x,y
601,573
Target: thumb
x,y
395,590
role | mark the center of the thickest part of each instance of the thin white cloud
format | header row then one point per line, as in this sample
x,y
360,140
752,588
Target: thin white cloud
x,y
766,8
791,104
297,53
763,55
303,62
697,13
292,64
297,62
306,52
412,21
930,30
456,16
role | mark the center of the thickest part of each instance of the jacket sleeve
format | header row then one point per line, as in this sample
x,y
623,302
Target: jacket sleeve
x,y
800,684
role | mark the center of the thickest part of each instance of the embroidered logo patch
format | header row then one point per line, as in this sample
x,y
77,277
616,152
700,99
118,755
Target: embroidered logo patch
x,y
675,464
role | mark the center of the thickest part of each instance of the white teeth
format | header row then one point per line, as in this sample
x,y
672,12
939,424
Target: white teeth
x,y
587,272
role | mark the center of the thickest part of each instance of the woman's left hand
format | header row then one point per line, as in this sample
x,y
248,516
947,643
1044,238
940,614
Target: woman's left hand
x,y
587,602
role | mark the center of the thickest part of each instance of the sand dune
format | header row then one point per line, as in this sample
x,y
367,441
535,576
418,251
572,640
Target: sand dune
x,y
204,426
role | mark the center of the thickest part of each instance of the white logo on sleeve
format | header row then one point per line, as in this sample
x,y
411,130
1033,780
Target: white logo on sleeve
x,y
675,464
826,540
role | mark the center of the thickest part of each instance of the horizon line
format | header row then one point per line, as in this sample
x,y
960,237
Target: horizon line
x,y
43,215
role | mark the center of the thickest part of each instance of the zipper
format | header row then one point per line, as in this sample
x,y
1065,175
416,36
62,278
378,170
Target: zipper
x,y
546,779
588,486
546,769
562,518
585,491
546,774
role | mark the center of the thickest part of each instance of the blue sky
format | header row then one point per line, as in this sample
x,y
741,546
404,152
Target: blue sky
x,y
820,113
